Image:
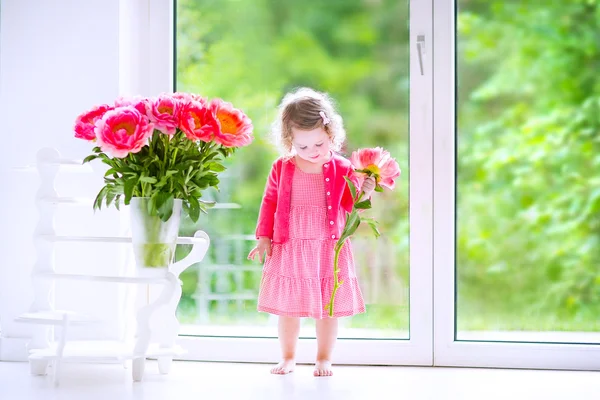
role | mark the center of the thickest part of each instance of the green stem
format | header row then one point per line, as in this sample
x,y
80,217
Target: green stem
x,y
336,284
360,196
166,155
338,248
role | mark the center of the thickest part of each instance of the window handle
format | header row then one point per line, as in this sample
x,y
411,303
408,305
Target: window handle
x,y
421,52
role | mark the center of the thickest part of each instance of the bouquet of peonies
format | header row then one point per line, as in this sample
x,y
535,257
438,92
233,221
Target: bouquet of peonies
x,y
376,163
163,148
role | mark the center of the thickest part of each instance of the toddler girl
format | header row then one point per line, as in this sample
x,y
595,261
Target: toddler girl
x,y
302,214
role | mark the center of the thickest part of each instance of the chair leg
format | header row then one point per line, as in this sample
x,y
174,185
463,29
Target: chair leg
x,y
60,349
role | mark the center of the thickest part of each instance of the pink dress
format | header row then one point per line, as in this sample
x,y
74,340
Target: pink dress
x,y
297,279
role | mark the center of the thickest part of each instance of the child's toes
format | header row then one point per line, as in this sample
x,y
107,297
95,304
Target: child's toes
x,y
323,368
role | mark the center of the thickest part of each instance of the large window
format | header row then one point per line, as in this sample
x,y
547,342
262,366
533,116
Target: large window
x,y
515,226
251,52
528,203
491,241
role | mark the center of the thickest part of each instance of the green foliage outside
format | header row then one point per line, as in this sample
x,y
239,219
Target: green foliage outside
x,y
529,165
528,188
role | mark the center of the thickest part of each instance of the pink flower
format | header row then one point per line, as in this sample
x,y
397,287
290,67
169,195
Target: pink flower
x,y
188,97
235,126
376,162
198,122
164,113
122,131
85,123
140,103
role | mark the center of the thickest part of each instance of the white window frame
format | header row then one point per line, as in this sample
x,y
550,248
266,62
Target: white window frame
x,y
432,219
448,351
418,350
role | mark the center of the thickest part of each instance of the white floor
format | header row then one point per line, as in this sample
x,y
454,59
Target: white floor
x,y
195,380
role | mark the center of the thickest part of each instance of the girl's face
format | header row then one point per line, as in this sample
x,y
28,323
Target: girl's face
x,y
312,146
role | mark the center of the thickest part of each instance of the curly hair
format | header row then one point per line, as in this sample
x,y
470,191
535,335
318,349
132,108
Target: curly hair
x,y
301,109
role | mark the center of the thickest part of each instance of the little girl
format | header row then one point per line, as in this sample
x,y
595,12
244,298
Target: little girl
x,y
302,214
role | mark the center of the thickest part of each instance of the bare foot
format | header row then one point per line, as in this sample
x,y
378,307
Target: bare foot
x,y
284,367
323,368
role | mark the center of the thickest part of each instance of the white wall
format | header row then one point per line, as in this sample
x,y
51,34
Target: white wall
x,y
57,58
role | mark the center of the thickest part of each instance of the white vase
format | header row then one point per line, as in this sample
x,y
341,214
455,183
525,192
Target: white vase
x,y
154,241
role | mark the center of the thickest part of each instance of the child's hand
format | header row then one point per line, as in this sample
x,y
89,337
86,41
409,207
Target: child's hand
x,y
262,246
368,186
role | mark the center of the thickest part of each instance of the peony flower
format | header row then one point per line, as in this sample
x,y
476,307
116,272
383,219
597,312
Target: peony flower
x,y
122,131
164,113
198,122
376,162
141,104
85,123
235,126
188,97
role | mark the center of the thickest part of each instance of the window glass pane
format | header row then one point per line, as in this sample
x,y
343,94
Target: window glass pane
x,y
251,53
528,194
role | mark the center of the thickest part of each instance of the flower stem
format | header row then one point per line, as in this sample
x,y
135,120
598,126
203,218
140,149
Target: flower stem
x,y
336,283
166,155
338,248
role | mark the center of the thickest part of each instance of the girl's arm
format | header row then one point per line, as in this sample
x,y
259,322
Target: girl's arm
x,y
266,216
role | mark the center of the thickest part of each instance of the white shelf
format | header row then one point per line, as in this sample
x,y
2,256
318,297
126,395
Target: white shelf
x,y
225,296
111,239
76,166
230,267
66,200
162,307
103,278
88,201
55,317
221,206
63,161
102,351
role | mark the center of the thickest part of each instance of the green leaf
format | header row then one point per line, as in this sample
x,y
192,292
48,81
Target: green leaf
x,y
148,179
373,225
215,166
194,210
110,171
208,204
363,205
352,224
110,195
89,158
351,186
128,189
164,205
152,204
99,198
369,220
378,189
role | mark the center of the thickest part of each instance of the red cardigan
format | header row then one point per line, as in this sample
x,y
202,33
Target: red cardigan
x,y
273,219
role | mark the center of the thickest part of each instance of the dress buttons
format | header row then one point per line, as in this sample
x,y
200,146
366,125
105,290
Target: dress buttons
x,y
330,222
326,179
329,207
326,165
333,236
328,193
